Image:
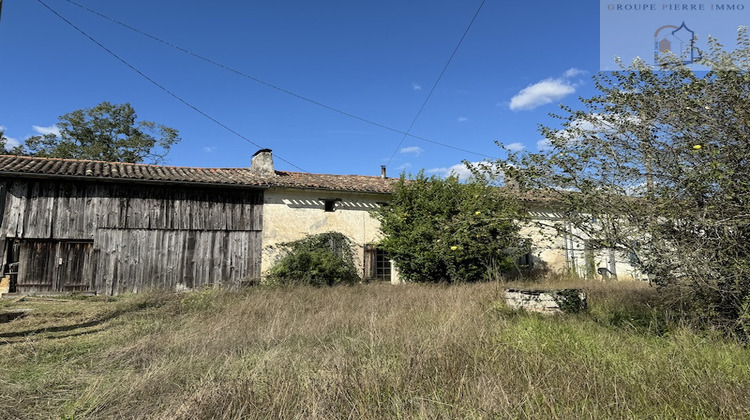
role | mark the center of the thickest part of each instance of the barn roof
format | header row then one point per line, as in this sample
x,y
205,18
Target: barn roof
x,y
25,166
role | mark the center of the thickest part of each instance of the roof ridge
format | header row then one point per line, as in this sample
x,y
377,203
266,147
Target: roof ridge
x,y
347,175
69,160
12,165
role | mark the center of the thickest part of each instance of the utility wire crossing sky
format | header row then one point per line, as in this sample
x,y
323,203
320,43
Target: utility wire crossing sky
x,y
329,87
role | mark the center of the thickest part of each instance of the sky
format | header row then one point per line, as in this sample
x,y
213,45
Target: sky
x,y
364,69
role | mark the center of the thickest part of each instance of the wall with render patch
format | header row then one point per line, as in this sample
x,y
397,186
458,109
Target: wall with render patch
x,y
293,214
559,247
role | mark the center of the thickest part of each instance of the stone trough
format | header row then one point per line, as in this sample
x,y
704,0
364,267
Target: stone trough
x,y
546,301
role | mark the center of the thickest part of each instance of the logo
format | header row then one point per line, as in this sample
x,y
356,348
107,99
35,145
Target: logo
x,y
678,40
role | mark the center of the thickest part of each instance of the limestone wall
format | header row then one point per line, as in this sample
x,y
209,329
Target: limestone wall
x,y
568,252
293,214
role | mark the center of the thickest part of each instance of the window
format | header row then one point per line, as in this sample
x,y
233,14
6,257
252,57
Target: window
x,y
525,257
377,263
525,260
329,204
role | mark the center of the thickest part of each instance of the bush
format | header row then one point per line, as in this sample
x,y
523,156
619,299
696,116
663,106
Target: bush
x,y
323,259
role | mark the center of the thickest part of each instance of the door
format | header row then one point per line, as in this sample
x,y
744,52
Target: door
x,y
74,271
55,266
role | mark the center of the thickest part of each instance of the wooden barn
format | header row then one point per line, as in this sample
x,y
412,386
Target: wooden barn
x,y
108,228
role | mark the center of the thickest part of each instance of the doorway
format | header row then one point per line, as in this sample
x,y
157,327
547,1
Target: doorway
x,y
51,266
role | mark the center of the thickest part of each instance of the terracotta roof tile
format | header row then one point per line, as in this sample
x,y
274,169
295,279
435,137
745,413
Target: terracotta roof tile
x,y
131,172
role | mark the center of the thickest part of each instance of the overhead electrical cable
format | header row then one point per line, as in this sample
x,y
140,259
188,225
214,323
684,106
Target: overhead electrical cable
x,y
445,67
160,86
276,87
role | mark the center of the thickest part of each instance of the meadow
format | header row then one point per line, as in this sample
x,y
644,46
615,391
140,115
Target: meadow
x,y
368,351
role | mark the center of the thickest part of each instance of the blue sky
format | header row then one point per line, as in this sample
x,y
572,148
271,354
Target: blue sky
x,y
376,60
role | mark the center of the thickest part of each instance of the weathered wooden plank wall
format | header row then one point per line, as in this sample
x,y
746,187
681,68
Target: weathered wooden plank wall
x,y
132,260
54,266
144,236
39,209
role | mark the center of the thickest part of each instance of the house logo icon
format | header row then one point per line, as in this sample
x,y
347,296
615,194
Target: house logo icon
x,y
679,40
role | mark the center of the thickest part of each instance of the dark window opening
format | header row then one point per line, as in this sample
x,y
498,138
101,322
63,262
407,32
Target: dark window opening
x,y
377,263
330,205
525,260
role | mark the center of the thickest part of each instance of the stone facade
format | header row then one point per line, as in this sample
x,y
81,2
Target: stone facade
x,y
293,214
568,252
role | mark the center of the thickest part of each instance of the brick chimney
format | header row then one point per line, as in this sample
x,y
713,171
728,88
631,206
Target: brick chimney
x,y
262,162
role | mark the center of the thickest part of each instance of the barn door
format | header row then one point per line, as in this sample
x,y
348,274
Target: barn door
x,y
74,267
51,266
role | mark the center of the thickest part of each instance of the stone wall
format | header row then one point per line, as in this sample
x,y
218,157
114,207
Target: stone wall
x,y
293,214
546,301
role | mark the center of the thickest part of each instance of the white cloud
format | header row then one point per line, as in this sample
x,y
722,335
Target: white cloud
x,y
573,72
543,145
416,86
209,149
546,91
515,147
412,150
10,143
462,119
52,129
595,123
460,170
403,167
541,93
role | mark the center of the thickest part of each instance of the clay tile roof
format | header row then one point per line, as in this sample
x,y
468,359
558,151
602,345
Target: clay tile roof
x,y
19,166
358,183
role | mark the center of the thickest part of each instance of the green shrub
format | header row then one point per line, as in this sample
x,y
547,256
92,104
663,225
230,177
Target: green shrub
x,y
443,230
323,259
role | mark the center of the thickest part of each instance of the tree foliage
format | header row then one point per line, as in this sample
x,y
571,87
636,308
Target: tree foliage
x,y
14,150
318,260
107,132
441,230
656,165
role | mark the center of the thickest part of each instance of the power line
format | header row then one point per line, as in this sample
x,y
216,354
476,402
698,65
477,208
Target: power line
x,y
155,83
288,92
445,67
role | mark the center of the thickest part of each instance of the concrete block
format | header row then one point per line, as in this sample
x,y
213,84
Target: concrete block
x,y
546,301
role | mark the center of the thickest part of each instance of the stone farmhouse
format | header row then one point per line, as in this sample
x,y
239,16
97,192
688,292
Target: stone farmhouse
x,y
109,228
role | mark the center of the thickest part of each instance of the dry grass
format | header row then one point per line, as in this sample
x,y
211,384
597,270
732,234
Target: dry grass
x,y
366,351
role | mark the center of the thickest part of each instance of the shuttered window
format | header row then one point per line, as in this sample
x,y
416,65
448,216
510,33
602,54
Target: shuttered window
x,y
377,263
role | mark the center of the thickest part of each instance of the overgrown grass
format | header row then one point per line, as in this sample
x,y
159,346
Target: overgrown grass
x,y
365,351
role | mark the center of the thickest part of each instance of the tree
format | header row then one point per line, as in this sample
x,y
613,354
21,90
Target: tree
x,y
657,166
106,132
441,230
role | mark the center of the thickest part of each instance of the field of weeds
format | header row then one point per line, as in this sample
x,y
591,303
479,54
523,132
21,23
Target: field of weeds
x,y
365,351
